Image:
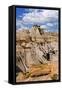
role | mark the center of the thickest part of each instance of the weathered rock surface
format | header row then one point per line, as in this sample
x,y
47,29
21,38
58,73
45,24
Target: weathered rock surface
x,y
37,70
35,47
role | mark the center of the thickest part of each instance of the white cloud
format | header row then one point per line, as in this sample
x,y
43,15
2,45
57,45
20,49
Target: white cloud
x,y
50,13
49,24
18,22
23,28
36,16
21,25
45,18
43,26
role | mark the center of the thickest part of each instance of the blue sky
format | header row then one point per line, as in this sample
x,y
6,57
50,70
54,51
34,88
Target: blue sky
x,y
26,18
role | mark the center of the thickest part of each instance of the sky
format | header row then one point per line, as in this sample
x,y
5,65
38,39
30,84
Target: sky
x,y
47,19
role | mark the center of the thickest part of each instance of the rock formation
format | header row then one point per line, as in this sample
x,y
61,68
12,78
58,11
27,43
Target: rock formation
x,y
35,47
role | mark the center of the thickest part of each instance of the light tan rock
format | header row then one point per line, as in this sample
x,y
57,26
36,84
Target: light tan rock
x,y
42,69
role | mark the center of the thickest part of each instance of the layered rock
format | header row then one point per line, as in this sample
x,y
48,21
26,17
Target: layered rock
x,y
33,48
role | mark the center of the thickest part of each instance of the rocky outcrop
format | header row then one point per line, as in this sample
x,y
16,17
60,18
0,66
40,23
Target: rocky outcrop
x,y
35,47
22,36
38,70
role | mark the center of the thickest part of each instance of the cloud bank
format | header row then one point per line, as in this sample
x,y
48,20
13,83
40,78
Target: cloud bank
x,y
45,18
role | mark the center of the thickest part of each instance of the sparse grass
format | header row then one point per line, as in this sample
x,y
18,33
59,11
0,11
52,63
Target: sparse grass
x,y
27,74
16,74
54,77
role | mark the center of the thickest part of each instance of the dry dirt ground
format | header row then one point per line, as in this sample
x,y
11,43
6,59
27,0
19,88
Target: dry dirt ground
x,y
51,68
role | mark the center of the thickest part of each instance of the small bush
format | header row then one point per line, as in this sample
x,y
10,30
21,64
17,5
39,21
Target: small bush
x,y
16,74
54,77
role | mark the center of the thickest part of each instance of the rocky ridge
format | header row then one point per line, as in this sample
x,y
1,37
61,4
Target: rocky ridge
x,y
35,48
